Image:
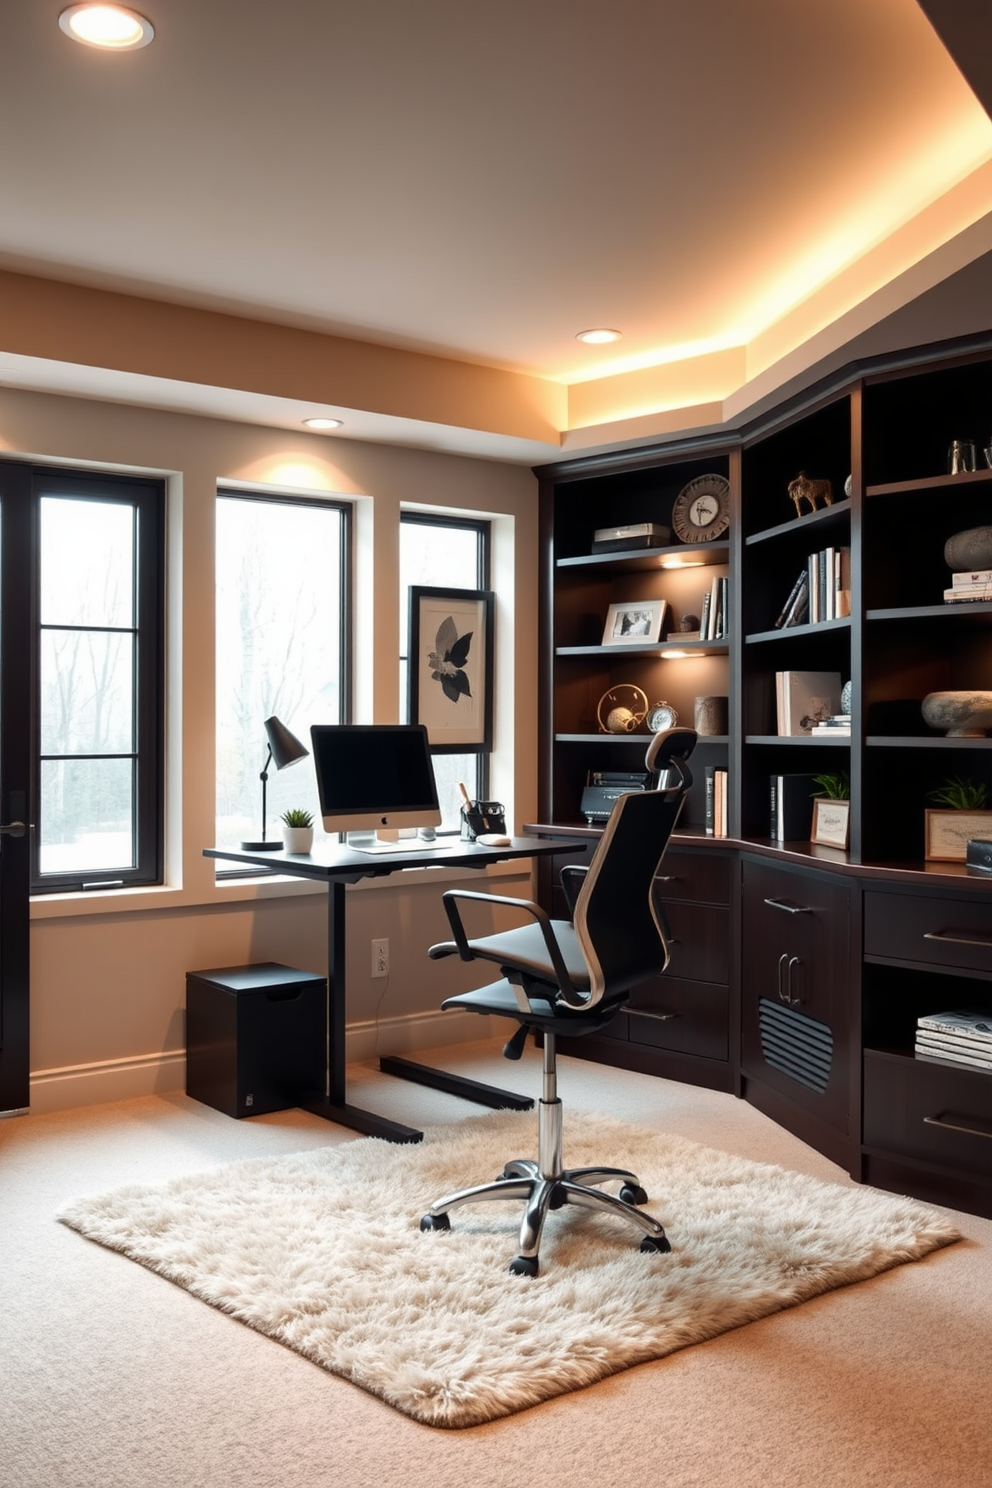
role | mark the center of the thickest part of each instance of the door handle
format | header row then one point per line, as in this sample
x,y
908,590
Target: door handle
x,y
12,829
783,995
793,1001
789,908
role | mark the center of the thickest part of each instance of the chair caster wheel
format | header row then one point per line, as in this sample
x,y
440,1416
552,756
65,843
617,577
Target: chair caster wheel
x,y
524,1266
435,1222
656,1244
633,1194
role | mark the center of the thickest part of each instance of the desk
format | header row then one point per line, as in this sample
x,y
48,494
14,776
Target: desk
x,y
338,867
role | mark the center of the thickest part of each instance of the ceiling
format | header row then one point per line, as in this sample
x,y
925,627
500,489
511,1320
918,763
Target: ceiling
x,y
722,182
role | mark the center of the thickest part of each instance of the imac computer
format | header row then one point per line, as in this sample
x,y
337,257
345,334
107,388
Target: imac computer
x,y
377,778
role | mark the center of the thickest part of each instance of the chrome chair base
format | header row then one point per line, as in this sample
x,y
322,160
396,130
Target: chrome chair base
x,y
545,1185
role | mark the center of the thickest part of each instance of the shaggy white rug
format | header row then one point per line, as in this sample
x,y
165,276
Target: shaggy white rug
x,y
323,1252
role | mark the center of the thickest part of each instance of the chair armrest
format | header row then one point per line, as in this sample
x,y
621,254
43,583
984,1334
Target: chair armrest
x,y
568,992
570,878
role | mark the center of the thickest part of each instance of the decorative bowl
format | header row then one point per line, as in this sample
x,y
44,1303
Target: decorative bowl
x,y
966,715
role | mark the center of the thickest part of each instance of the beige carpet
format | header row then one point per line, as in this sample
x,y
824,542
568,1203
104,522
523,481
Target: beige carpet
x,y
322,1251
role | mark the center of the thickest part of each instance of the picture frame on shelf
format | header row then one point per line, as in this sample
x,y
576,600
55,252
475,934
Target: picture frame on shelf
x,y
450,667
948,833
831,822
636,622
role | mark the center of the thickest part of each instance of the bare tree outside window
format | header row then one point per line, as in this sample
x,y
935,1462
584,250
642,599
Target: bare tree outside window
x,y
443,554
87,672
280,624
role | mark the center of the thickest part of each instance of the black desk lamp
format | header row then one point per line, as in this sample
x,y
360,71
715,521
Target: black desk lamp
x,y
284,749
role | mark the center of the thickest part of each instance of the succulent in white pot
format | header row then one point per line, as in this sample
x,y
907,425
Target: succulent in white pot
x,y
297,830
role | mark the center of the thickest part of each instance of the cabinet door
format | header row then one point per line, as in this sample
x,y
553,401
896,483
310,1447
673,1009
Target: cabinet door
x,y
796,988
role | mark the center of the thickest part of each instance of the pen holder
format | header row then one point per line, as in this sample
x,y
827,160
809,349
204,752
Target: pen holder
x,y
482,816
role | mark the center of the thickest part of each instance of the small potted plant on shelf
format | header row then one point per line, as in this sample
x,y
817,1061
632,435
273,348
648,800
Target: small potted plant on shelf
x,y
832,809
297,830
963,816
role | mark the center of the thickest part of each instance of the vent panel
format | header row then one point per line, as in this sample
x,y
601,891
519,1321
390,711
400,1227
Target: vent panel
x,y
795,1045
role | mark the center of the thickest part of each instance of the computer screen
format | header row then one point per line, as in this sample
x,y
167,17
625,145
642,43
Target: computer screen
x,y
374,777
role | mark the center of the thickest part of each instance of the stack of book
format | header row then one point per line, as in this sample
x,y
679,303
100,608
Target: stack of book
x,y
715,799
836,726
962,1037
822,590
803,699
971,586
713,620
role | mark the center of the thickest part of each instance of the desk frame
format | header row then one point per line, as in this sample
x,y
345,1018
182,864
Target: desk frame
x,y
338,867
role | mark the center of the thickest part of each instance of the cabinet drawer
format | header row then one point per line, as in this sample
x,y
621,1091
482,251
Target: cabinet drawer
x,y
952,933
700,949
926,1110
683,1017
703,877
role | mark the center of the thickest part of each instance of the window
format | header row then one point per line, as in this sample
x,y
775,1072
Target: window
x,y
91,552
450,553
282,607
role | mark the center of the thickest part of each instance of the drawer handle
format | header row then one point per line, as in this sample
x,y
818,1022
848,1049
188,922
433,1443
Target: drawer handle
x,y
789,908
945,935
658,1017
941,1120
667,878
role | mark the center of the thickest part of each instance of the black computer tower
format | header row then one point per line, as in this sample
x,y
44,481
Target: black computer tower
x,y
256,1037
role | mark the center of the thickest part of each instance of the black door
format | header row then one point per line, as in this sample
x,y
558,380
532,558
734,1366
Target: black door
x,y
16,557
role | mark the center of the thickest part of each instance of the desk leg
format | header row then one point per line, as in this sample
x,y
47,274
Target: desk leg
x,y
332,1105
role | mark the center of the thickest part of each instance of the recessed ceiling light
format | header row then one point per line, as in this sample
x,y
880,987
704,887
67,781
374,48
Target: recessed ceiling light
x,y
598,337
323,423
112,27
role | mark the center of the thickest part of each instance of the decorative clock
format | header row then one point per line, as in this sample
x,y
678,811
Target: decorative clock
x,y
702,509
621,709
661,716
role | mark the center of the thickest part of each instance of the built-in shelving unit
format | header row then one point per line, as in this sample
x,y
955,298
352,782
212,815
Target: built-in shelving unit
x,y
880,436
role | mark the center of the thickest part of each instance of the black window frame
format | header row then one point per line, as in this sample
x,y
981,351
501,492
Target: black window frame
x,y
483,528
22,488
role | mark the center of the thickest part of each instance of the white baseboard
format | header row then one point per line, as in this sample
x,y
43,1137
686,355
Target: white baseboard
x,y
157,1074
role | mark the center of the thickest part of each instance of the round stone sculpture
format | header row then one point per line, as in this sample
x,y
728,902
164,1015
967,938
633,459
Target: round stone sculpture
x,y
965,715
969,550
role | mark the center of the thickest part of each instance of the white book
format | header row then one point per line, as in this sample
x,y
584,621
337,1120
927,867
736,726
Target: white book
x,y
975,1061
976,1023
807,699
973,576
962,595
926,1038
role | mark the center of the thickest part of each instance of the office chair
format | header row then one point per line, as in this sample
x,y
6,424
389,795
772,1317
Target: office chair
x,y
571,977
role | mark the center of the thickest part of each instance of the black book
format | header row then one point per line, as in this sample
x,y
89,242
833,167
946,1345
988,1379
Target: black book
x,y
793,596
791,802
709,799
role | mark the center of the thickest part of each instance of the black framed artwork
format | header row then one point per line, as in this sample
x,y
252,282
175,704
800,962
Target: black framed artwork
x,y
451,667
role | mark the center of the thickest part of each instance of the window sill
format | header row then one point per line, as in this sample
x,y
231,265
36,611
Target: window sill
x,y
165,898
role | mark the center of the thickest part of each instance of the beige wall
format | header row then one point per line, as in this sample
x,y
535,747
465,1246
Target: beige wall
x,y
107,981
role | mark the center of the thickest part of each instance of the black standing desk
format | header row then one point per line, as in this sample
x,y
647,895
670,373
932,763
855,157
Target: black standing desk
x,y
338,867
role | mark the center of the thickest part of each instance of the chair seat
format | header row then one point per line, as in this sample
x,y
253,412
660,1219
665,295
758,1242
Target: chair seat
x,y
524,947
498,998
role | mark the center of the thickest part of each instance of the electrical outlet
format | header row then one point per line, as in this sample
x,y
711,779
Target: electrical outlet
x,y
380,957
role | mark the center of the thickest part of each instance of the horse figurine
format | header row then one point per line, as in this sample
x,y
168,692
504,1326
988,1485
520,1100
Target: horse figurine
x,y
803,489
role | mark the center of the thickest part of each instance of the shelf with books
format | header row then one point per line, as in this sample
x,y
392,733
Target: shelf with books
x,y
798,632
662,648
809,528
799,741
